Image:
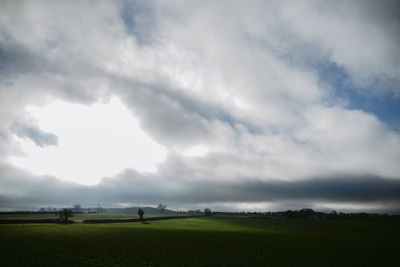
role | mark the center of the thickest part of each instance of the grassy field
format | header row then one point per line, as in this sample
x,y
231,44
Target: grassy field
x,y
208,241
84,216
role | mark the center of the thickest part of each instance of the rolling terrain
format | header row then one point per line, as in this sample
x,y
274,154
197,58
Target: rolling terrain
x,y
205,241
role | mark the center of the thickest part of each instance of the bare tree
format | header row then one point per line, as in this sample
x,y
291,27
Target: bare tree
x,y
207,212
65,214
140,213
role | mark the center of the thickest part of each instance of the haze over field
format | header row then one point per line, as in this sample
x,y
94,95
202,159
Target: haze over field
x,y
231,105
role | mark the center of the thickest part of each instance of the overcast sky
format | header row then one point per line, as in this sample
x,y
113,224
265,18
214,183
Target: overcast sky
x,y
232,105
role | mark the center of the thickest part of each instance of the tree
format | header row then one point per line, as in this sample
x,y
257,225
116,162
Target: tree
x,y
207,212
161,207
140,213
65,214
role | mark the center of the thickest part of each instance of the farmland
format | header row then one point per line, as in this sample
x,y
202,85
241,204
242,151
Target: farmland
x,y
205,241
80,217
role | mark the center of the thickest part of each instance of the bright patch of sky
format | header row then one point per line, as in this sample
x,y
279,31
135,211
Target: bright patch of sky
x,y
93,142
195,151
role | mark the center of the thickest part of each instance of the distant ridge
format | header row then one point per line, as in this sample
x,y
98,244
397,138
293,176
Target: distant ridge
x,y
135,210
139,220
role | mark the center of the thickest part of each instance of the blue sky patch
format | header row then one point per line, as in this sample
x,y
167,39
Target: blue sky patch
x,y
385,106
138,20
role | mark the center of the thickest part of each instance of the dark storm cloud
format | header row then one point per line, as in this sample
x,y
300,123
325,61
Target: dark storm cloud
x,y
340,188
344,188
20,189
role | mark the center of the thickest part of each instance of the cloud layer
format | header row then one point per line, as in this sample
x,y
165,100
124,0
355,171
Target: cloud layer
x,y
254,84
132,187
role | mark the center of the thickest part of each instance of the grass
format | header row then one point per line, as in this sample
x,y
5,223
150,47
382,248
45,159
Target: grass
x,y
78,218
216,241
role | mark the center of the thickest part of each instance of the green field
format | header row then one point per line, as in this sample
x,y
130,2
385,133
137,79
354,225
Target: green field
x,y
207,241
85,216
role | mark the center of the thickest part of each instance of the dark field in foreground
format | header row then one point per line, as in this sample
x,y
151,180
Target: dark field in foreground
x,y
208,241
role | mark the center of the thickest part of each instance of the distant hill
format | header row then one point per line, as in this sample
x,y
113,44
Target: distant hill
x,y
135,210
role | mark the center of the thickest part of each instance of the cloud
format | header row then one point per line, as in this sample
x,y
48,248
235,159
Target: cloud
x,y
20,189
340,188
360,37
37,136
246,85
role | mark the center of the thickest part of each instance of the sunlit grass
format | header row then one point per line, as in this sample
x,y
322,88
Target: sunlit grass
x,y
206,241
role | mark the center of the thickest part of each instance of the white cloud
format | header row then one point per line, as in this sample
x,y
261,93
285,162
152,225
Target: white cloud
x,y
361,37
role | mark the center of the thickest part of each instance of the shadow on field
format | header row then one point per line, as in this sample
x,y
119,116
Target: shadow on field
x,y
144,221
22,221
58,221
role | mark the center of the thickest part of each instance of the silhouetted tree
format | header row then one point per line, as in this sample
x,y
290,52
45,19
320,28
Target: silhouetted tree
x,y
207,212
65,214
290,214
140,213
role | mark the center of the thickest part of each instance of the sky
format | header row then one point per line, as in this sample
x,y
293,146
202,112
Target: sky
x,y
228,105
